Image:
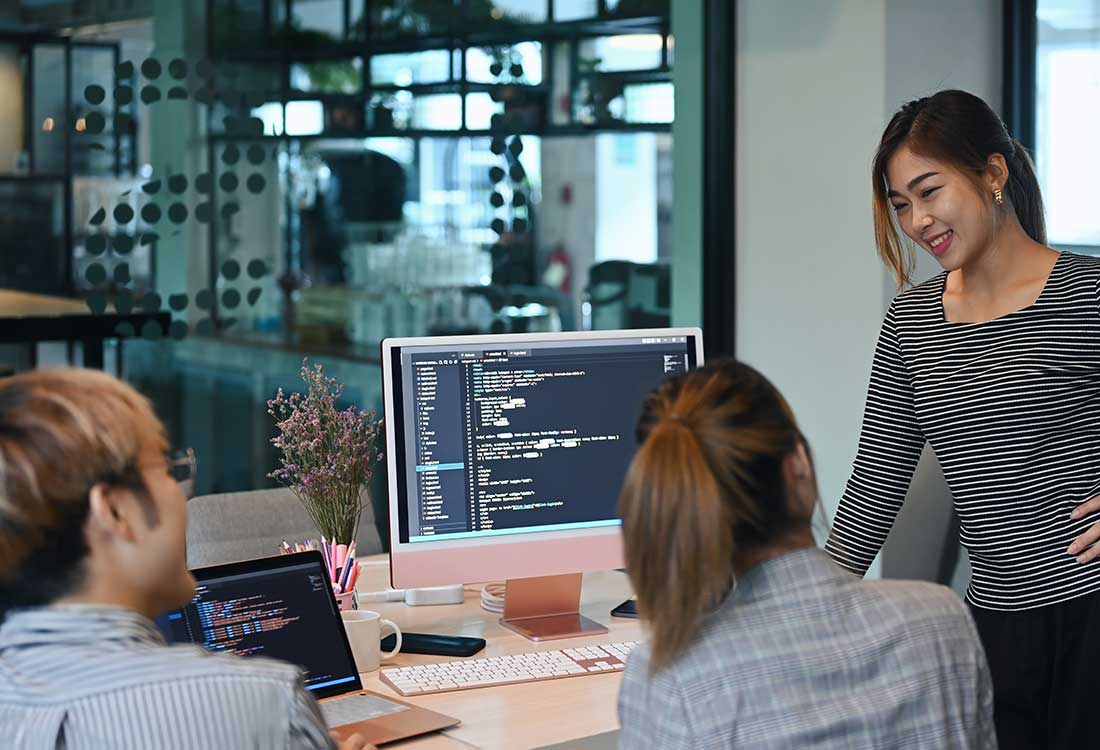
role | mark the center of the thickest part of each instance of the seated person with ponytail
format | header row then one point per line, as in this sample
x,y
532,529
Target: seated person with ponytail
x,y
756,638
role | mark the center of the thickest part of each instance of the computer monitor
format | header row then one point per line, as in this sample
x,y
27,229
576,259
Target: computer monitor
x,y
505,457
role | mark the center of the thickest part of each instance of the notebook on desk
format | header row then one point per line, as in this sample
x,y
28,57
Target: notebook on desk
x,y
283,607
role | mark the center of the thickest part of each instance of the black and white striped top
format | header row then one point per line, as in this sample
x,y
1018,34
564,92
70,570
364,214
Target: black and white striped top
x,y
1012,409
100,677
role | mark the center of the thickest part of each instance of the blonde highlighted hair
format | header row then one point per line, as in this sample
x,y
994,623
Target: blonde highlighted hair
x,y
62,431
706,485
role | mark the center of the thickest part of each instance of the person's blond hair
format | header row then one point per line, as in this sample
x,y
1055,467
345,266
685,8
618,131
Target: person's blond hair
x,y
62,431
706,485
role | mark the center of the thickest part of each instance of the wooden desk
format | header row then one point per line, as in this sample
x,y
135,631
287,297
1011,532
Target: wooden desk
x,y
27,318
519,716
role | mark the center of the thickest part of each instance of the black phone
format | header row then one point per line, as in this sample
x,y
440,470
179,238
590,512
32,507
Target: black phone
x,y
629,608
436,645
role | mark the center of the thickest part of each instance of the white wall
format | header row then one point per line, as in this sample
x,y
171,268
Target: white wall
x,y
816,83
810,81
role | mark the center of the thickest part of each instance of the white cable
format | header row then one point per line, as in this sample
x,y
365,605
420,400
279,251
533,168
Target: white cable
x,y
492,597
390,595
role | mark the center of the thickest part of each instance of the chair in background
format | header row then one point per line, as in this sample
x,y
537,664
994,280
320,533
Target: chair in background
x,y
244,525
629,295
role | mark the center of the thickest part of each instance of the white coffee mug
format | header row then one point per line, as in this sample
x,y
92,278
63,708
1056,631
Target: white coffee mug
x,y
364,629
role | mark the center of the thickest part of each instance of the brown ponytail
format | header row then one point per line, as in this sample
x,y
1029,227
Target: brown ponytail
x,y
1024,193
960,129
706,485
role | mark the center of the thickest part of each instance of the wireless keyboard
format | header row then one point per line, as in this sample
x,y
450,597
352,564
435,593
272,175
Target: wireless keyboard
x,y
466,674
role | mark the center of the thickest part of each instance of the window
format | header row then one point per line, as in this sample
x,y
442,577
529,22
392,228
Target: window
x,y
1067,110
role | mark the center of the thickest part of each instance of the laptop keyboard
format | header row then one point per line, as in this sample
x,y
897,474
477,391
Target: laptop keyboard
x,y
359,707
464,674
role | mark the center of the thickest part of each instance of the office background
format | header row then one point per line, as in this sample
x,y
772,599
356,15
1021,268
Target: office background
x,y
631,190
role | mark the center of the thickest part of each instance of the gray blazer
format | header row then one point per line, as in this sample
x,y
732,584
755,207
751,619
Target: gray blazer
x,y
803,654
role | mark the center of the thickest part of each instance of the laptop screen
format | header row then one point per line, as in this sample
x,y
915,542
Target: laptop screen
x,y
280,607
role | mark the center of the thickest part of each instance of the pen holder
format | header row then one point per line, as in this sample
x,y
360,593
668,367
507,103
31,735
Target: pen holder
x,y
347,601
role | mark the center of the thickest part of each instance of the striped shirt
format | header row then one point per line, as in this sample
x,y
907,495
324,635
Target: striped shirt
x,y
1011,408
84,677
802,654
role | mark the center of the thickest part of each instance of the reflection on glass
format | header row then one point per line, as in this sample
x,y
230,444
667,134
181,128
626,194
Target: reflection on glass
x,y
518,63
328,76
648,102
319,16
402,110
619,53
430,66
492,13
48,109
304,118
236,24
271,115
1068,107
125,248
480,109
631,8
14,157
32,210
414,17
573,10
93,153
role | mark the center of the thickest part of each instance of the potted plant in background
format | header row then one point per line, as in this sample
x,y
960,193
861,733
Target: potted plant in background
x,y
328,455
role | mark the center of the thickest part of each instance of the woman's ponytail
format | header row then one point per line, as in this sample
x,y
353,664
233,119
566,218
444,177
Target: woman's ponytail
x,y
706,485
680,536
1024,193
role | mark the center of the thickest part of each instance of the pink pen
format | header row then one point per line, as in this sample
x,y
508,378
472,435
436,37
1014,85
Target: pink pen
x,y
338,560
354,578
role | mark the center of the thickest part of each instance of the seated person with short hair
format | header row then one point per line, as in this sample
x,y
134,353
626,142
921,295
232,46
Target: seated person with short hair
x,y
92,547
756,638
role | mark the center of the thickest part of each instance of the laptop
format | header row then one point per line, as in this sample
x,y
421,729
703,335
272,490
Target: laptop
x,y
283,607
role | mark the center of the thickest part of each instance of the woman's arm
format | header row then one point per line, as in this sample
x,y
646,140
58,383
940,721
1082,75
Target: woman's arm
x,y
890,445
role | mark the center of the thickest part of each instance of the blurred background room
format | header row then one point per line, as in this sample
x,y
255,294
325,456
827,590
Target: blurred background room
x,y
212,190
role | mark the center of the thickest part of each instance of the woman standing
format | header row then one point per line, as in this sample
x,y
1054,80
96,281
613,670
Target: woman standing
x,y
996,363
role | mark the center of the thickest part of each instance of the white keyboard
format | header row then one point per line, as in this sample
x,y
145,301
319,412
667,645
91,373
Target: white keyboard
x,y
465,674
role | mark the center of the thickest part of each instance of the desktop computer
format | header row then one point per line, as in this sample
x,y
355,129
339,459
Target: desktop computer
x,y
505,456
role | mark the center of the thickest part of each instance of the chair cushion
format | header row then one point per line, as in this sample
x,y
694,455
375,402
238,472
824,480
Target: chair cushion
x,y
244,525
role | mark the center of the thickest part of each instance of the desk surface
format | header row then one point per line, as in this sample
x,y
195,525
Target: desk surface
x,y
16,304
526,715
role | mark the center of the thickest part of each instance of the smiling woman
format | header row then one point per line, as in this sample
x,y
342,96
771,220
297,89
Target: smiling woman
x,y
996,363
947,138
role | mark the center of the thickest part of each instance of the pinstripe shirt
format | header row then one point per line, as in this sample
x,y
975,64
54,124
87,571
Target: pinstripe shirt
x,y
802,654
84,677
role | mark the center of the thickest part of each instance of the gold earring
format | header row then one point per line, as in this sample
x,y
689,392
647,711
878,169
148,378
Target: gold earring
x,y
998,197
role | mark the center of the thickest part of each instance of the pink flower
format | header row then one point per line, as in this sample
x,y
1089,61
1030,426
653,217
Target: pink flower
x,y
327,455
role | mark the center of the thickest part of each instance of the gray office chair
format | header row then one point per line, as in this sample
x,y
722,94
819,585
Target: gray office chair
x,y
243,525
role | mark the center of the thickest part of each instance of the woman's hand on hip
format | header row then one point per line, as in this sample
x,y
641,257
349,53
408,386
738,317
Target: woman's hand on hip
x,y
1086,546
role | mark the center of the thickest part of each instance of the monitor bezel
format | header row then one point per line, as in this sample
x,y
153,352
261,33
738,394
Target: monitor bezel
x,y
471,560
277,562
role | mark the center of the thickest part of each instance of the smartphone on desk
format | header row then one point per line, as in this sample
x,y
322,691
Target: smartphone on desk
x,y
629,608
436,645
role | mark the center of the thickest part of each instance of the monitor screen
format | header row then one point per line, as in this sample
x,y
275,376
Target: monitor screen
x,y
514,436
279,607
